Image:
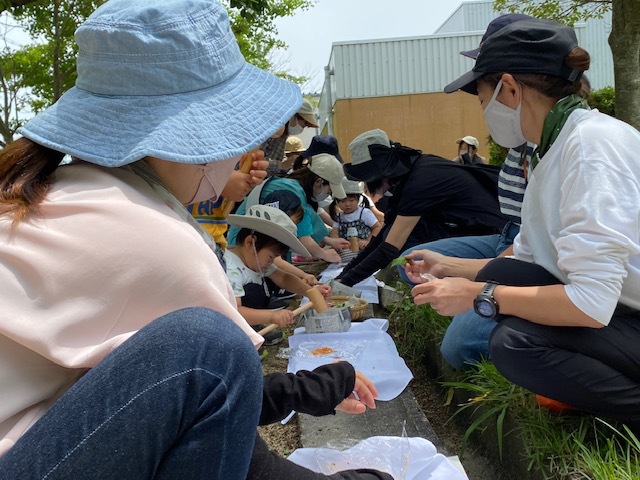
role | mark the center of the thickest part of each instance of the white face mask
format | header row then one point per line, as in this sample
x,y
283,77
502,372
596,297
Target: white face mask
x,y
294,128
318,197
214,178
504,122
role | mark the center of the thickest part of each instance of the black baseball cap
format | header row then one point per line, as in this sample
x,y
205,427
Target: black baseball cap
x,y
525,46
322,144
496,24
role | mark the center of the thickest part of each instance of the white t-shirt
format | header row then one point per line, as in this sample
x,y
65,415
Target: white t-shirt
x,y
240,275
581,213
368,218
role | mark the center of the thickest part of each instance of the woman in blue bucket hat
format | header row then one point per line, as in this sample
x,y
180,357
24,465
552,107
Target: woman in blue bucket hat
x,y
122,354
567,306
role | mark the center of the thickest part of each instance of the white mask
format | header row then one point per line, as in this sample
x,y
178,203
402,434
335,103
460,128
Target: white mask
x,y
214,178
504,122
294,129
318,197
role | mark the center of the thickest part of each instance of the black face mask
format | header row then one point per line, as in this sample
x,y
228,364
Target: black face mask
x,y
386,162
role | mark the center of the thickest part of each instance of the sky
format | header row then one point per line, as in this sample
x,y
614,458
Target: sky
x,y
310,33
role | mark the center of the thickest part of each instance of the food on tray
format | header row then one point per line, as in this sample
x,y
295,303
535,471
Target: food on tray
x,y
322,351
337,305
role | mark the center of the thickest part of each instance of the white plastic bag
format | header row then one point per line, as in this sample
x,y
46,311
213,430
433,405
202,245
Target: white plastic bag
x,y
403,458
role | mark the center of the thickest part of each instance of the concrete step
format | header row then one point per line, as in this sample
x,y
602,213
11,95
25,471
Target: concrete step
x,y
342,431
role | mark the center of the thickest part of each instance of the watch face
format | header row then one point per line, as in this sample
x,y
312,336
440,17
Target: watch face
x,y
485,308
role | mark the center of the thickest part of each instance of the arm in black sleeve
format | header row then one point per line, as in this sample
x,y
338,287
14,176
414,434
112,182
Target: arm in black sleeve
x,y
315,393
268,465
364,253
379,258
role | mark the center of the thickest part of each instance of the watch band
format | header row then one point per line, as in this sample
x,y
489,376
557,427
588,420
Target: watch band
x,y
488,288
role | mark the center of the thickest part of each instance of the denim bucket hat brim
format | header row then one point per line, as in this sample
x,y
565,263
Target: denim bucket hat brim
x,y
167,80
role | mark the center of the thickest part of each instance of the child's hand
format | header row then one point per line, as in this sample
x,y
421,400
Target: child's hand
x,y
363,243
309,279
282,317
325,290
337,243
363,396
330,255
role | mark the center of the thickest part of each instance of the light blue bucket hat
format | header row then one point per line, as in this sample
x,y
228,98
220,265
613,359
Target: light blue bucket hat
x,y
163,78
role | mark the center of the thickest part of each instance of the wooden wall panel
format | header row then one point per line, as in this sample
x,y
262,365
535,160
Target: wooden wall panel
x,y
430,122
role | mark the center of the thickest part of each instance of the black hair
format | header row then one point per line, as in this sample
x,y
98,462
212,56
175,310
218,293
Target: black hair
x,y
262,241
333,207
306,178
300,162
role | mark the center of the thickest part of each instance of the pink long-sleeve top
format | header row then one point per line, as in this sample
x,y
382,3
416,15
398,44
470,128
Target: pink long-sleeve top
x,y
104,256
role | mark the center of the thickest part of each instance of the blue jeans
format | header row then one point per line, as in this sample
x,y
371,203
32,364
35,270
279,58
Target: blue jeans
x,y
179,399
466,340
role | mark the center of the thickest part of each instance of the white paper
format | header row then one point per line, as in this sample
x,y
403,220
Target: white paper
x,y
403,458
368,286
366,345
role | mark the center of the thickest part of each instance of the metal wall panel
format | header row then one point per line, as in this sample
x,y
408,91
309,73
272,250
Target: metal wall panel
x,y
425,64
399,66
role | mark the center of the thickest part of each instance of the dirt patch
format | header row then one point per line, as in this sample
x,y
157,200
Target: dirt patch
x,y
283,439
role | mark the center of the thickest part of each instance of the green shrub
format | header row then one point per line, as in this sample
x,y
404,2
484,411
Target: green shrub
x,y
415,327
603,100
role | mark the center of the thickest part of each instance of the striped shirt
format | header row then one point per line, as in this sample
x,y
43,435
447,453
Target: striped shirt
x,y
512,182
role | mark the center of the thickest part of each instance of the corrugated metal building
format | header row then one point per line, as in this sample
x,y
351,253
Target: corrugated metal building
x,y
396,84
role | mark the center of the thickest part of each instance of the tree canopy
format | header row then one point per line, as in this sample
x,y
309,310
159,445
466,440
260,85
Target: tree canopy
x,y
35,75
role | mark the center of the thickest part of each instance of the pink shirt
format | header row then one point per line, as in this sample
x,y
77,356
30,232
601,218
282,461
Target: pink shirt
x,y
104,256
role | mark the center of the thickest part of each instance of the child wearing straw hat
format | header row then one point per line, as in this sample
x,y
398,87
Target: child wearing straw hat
x,y
265,234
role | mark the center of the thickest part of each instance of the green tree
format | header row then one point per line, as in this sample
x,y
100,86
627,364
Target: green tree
x,y
253,23
34,76
624,40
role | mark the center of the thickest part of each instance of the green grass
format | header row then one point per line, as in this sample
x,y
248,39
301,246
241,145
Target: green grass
x,y
415,326
569,447
559,447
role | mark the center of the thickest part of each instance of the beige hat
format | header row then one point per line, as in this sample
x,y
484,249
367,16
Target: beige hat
x,y
330,169
469,140
308,113
273,223
293,144
352,187
359,146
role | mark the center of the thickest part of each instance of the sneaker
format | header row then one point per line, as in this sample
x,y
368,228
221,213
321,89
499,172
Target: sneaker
x,y
277,302
282,293
554,406
273,337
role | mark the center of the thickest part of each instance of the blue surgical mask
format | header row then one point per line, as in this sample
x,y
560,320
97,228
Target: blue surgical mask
x,y
504,122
